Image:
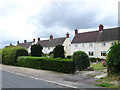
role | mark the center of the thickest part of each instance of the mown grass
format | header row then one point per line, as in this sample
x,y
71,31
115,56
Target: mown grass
x,y
108,85
97,66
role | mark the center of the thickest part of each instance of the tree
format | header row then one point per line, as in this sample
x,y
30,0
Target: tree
x,y
59,51
81,60
36,50
113,59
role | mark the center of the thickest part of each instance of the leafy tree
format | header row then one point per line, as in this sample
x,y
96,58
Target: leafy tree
x,y
36,50
113,59
81,60
59,51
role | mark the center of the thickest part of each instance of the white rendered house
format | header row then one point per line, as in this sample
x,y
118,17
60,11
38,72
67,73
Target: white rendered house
x,y
95,43
50,44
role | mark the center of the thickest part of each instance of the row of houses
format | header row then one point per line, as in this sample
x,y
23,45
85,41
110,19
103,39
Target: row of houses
x,y
94,43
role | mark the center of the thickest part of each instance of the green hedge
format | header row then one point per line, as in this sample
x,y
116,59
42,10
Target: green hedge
x,y
10,54
45,63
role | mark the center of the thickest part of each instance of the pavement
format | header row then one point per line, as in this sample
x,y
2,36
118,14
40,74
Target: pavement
x,y
78,80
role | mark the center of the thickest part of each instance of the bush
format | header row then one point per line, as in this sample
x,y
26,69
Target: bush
x,y
81,60
69,57
113,59
59,51
36,50
92,59
10,54
45,63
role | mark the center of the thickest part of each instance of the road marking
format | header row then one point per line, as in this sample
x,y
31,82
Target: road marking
x,y
44,80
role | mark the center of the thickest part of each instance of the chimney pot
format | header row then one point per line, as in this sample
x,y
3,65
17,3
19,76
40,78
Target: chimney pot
x,y
25,41
76,31
34,40
38,39
67,35
51,37
101,27
17,42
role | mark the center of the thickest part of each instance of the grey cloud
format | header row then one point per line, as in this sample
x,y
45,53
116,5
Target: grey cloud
x,y
72,15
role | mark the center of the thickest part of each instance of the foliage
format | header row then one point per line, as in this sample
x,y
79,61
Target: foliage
x,y
45,63
98,66
105,85
113,59
59,52
81,60
36,50
10,54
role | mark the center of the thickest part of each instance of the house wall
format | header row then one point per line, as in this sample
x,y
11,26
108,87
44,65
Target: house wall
x,y
84,47
67,47
47,50
97,48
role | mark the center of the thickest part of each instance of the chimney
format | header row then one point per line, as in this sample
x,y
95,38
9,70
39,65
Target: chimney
x,y
51,37
25,41
38,39
67,35
101,27
17,42
34,40
76,31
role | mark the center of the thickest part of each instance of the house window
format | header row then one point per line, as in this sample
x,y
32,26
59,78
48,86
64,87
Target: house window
x,y
83,44
104,44
91,53
76,45
103,53
90,44
112,43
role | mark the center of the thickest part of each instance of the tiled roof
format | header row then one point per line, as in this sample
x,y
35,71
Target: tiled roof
x,y
25,45
104,35
52,43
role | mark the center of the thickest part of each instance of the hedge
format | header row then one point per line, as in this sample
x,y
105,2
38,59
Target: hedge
x,y
45,63
10,54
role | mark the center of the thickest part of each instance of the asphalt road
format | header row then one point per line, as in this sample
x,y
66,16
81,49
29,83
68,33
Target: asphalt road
x,y
10,80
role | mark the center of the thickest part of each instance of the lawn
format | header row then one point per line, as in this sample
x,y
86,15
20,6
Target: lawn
x,y
97,66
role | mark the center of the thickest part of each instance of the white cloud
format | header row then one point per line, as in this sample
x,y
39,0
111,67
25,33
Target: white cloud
x,y
18,17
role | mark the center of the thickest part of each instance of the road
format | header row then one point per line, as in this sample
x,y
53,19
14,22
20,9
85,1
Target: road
x,y
10,80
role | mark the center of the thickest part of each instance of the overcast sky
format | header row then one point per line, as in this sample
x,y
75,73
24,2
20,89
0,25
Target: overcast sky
x,y
28,19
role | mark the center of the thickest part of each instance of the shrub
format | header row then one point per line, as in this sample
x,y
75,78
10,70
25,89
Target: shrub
x,y
45,63
92,59
36,50
81,60
59,51
10,54
113,59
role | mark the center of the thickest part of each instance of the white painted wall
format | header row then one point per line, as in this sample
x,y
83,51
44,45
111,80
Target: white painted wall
x,y
96,48
67,46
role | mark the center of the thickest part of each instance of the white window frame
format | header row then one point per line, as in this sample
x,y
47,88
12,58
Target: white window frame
x,y
91,53
103,53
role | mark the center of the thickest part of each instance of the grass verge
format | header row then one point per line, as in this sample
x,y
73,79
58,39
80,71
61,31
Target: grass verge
x,y
97,66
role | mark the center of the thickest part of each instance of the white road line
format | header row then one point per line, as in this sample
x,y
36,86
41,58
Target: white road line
x,y
43,80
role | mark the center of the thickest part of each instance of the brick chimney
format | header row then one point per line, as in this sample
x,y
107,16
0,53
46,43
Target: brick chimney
x,y
76,31
33,39
17,42
51,37
38,39
67,35
25,41
101,27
